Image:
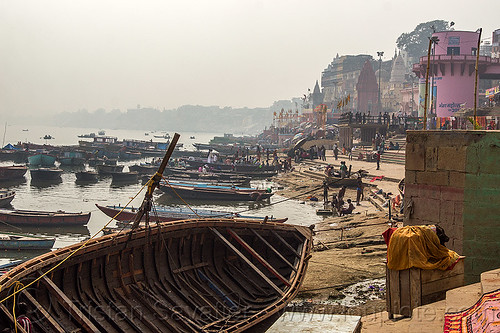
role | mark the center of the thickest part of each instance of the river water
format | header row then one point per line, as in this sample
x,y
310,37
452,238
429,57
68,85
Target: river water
x,y
69,196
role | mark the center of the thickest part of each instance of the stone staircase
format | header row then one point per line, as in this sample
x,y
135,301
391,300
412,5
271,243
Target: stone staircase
x,y
430,318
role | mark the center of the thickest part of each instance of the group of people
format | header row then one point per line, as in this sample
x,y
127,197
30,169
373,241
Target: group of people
x,y
339,206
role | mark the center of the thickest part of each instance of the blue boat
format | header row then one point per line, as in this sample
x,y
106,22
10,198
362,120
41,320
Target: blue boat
x,y
178,213
42,159
17,242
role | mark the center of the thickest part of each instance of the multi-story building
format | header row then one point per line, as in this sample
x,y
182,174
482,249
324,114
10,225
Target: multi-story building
x,y
339,79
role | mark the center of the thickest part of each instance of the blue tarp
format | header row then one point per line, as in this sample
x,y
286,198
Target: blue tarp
x,y
10,147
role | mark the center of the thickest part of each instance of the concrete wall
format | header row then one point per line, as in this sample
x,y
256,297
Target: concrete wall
x,y
453,179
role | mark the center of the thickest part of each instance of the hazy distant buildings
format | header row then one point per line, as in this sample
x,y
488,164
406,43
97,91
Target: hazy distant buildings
x,y
340,78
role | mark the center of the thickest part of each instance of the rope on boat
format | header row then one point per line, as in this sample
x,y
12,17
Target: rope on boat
x,y
16,291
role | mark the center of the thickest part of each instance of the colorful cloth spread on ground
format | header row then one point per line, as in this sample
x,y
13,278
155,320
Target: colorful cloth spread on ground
x,y
376,178
484,316
418,246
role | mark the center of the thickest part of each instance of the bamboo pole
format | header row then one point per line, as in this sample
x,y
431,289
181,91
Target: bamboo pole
x,y
475,83
427,83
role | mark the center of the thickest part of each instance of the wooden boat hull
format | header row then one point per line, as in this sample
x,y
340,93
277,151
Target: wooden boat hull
x,y
205,193
6,197
46,174
108,169
25,243
185,276
12,172
86,176
125,215
124,177
41,218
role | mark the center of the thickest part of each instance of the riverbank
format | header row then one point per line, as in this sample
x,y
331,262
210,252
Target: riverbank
x,y
348,250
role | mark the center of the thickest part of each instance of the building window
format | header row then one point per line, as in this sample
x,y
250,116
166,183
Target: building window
x,y
453,51
454,41
474,51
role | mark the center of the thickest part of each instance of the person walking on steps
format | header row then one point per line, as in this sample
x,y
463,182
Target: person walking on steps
x,y
378,159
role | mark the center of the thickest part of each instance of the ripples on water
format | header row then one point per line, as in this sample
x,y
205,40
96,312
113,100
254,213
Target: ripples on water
x,y
70,196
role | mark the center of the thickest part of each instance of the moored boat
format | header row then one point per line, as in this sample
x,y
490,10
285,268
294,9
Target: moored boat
x,y
214,192
42,159
124,177
12,172
6,197
108,169
43,218
175,214
25,242
72,158
46,174
86,176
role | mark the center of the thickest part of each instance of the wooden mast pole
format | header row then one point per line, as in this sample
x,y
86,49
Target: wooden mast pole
x,y
153,183
475,83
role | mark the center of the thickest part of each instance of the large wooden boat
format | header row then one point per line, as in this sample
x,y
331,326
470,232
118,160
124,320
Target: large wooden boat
x,y
6,197
186,276
12,172
214,192
43,218
175,214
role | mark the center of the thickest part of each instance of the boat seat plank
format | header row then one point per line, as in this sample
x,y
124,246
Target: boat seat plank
x,y
53,323
187,268
242,256
286,244
257,256
72,308
274,250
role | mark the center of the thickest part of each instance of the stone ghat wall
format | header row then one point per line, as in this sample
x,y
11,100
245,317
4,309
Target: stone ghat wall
x,y
453,179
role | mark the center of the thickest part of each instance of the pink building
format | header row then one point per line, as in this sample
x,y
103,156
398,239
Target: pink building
x,y
452,73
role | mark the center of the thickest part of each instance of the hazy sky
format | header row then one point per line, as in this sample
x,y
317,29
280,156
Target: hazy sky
x,y
65,55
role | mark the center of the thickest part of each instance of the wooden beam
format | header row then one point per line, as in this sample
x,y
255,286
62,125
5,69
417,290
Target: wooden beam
x,y
55,325
259,258
68,304
245,259
11,318
273,249
286,244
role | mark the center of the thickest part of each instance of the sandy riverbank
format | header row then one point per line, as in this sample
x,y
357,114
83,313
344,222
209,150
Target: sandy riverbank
x,y
348,249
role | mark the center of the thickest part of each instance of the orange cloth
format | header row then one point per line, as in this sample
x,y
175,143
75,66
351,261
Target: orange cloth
x,y
418,246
